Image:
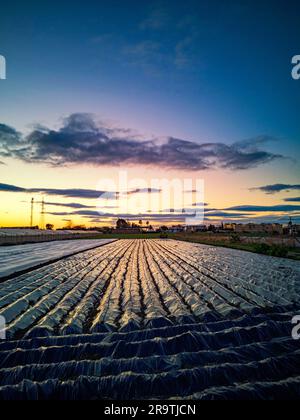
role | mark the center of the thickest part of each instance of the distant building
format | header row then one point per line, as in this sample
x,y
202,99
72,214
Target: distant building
x,y
229,226
271,228
176,229
196,228
292,230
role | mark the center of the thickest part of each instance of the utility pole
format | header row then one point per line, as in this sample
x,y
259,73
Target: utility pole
x,y
43,214
291,227
31,213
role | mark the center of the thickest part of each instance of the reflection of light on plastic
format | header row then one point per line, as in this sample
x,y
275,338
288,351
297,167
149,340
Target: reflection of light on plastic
x,y
2,328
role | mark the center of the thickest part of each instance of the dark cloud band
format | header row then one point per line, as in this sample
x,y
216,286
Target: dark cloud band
x,y
257,209
276,188
82,140
69,193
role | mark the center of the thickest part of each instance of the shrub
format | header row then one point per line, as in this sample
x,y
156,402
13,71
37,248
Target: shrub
x,y
262,249
279,251
272,250
163,236
234,237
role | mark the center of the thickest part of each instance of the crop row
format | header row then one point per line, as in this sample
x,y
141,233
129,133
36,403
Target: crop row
x,y
131,284
249,356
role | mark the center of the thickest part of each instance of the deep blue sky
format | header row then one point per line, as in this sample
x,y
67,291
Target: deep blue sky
x,y
214,72
209,71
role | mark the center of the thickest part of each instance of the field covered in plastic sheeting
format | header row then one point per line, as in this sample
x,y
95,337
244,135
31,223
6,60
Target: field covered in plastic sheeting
x,y
247,357
21,257
133,284
139,319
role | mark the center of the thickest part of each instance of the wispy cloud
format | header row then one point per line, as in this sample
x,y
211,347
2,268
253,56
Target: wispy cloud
x,y
179,48
238,214
143,191
127,216
292,200
69,193
68,205
81,140
75,193
187,47
227,214
276,188
147,55
180,218
271,218
11,188
157,19
257,209
167,217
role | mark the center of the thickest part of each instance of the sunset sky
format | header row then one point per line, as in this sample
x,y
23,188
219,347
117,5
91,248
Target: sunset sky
x,y
159,89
